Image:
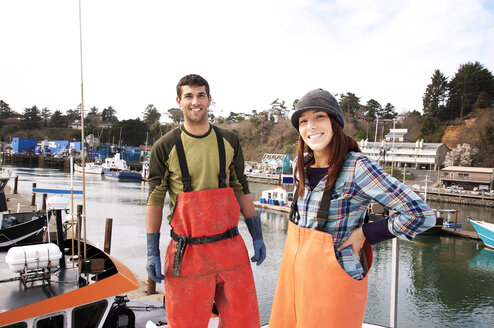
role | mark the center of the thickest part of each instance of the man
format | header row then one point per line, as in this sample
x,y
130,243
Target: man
x,y
202,168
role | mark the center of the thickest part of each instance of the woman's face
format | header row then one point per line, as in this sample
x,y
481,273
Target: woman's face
x,y
315,129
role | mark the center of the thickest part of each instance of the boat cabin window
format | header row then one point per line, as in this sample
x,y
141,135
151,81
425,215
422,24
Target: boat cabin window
x,y
56,321
17,325
89,315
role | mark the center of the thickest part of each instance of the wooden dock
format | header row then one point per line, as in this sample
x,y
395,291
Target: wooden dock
x,y
278,208
18,203
462,233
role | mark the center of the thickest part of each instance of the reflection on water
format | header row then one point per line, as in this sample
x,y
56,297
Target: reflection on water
x,y
484,260
443,281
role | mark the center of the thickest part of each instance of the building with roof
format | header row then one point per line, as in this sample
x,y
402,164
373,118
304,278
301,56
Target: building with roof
x,y
276,163
470,178
398,135
417,155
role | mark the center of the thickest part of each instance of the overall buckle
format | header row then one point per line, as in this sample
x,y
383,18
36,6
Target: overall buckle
x,y
179,253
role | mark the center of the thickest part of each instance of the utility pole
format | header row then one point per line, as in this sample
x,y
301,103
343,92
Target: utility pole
x,y
394,150
404,172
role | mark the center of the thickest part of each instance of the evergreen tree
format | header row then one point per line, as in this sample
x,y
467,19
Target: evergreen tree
x,y
279,108
350,104
465,87
32,118
388,112
45,114
73,115
5,111
57,120
151,115
109,114
435,95
373,107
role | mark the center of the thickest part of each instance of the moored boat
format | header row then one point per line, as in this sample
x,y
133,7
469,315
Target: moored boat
x,y
485,231
116,168
5,176
22,228
64,283
90,168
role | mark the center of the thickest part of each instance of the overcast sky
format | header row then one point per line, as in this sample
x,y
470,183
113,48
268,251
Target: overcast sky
x,y
251,52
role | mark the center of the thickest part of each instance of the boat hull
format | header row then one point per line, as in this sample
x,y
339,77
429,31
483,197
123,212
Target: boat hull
x,y
485,231
122,175
90,169
22,229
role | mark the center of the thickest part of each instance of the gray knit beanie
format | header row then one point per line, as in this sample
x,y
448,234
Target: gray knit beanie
x,y
318,99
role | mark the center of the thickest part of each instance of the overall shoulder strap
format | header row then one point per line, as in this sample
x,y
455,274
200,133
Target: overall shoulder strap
x,y
221,150
186,180
294,209
323,212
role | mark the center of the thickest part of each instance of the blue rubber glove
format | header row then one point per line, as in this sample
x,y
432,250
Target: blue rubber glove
x,y
153,264
255,230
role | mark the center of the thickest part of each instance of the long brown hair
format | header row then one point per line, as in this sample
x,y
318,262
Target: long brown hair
x,y
339,146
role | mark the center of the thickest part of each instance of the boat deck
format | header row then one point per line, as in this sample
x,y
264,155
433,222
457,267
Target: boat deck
x,y
15,295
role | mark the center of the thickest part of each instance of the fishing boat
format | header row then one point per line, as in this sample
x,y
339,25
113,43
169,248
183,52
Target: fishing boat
x,y
62,283
22,228
5,176
90,168
376,212
116,168
485,231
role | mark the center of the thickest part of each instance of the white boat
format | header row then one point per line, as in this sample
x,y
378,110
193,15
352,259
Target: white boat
x,y
5,175
117,169
485,231
145,170
91,168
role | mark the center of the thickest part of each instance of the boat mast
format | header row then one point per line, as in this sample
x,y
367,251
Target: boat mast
x,y
82,135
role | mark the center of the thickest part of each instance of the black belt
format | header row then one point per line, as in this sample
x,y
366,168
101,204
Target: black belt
x,y
183,241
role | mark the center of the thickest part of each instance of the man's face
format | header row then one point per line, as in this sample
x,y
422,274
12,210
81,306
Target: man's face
x,y
194,102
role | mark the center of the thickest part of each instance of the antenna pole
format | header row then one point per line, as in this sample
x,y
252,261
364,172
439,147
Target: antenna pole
x,y
82,134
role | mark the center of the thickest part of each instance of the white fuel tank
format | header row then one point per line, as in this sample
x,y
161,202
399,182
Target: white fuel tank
x,y
34,256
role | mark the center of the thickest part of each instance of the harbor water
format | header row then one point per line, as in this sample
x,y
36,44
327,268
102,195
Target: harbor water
x,y
444,281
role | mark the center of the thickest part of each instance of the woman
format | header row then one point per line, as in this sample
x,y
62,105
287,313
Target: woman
x,y
323,275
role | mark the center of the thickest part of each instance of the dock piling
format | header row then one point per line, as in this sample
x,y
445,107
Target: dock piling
x,y
108,231
43,207
33,197
151,286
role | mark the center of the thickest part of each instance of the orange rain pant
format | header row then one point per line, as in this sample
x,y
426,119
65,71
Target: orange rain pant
x,y
313,290
218,271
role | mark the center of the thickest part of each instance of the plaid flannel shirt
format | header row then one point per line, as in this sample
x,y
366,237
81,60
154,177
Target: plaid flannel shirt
x,y
361,181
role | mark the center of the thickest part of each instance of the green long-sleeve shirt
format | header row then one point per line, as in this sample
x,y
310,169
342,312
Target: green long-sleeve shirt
x,y
201,153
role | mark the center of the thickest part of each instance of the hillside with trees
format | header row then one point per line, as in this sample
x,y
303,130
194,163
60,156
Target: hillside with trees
x,y
456,111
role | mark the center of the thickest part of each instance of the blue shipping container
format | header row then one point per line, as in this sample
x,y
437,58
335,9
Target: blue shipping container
x,y
21,145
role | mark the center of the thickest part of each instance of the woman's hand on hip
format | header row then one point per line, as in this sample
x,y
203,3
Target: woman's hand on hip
x,y
356,240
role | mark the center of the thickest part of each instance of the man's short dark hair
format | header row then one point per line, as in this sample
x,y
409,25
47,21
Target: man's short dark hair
x,y
192,80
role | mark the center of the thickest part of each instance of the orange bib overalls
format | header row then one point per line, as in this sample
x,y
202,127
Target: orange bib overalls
x,y
313,290
206,259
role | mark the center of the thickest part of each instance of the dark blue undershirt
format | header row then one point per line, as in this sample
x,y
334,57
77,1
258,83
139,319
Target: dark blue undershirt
x,y
315,174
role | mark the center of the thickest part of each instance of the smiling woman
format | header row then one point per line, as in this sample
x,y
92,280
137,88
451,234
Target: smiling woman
x,y
324,270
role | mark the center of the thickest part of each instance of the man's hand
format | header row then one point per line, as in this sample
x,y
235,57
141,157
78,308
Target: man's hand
x,y
153,264
255,230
